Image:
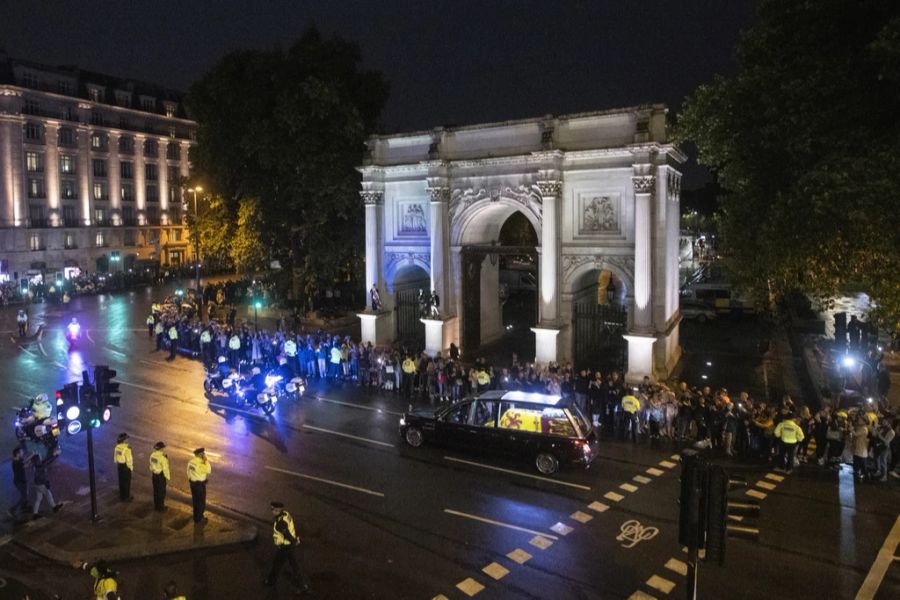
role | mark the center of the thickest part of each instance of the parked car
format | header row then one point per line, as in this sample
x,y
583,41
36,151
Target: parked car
x,y
547,430
697,310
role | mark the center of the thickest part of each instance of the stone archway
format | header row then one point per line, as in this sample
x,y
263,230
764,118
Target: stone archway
x,y
405,284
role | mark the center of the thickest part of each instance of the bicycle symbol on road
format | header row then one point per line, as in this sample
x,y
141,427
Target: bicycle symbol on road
x,y
632,533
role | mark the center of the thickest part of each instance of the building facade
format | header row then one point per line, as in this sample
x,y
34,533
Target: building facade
x,y
91,169
601,193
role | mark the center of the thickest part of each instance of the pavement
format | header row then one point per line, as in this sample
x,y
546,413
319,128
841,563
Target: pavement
x,y
125,530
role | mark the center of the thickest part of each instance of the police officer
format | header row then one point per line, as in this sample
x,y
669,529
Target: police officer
x,y
124,465
285,537
630,407
105,585
159,469
159,329
789,434
22,321
151,323
198,470
409,371
290,353
234,349
171,591
205,345
173,341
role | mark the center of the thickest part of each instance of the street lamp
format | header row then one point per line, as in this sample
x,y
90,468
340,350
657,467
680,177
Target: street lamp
x,y
194,191
256,307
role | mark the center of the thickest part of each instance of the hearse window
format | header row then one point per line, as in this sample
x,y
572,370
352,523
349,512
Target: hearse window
x,y
484,413
528,417
460,414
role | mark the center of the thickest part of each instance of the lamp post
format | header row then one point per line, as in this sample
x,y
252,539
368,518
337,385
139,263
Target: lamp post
x,y
194,191
256,306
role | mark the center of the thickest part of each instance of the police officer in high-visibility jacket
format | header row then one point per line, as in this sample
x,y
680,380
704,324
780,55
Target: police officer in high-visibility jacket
x,y
630,408
290,353
105,585
124,466
159,473
285,537
789,434
409,371
171,591
159,330
173,341
198,470
151,323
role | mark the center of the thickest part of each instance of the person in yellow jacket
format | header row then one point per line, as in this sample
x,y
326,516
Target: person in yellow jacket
x,y
124,466
198,470
631,406
105,585
483,378
408,366
171,591
284,535
159,470
788,433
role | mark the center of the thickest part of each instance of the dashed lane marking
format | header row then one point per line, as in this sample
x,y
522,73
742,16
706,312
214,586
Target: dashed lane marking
x,y
628,487
677,566
498,523
639,595
757,494
641,479
580,516
613,496
774,477
519,556
519,473
655,472
541,541
29,352
598,507
346,435
87,334
737,518
562,529
675,457
765,485
495,570
661,583
666,463
359,406
469,587
328,481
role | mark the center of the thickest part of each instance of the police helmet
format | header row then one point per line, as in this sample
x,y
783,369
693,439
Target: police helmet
x,y
222,359
255,371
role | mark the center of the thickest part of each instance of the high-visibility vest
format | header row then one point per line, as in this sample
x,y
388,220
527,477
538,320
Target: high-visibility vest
x,y
150,320
205,337
198,470
173,333
159,328
290,348
159,463
122,455
630,404
789,432
409,367
277,536
234,343
103,586
482,377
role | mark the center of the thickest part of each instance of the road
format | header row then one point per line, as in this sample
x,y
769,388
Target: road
x,y
381,520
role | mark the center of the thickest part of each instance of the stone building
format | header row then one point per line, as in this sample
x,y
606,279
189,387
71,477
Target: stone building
x,y
600,191
90,169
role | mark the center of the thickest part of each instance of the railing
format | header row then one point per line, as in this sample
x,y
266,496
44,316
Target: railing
x,y
71,222
129,222
38,223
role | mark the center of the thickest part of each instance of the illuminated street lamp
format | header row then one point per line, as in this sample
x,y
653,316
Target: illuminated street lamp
x,y
194,191
256,306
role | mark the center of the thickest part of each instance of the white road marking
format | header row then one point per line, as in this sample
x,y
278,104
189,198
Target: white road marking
x,y
774,477
562,529
360,406
87,334
440,597
737,518
541,541
675,456
677,566
633,533
580,516
598,507
655,472
41,346
27,351
510,471
757,494
328,481
519,556
495,570
667,464
346,435
469,587
628,487
639,595
765,485
641,479
613,496
879,568
660,583
498,523
5,540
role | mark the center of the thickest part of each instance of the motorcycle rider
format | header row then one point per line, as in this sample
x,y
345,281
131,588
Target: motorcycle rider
x,y
22,321
73,330
41,407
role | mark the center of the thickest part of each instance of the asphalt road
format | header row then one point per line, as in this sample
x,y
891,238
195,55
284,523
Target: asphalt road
x,y
381,520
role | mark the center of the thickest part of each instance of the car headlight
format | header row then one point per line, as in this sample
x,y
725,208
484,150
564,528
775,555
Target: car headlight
x,y
402,422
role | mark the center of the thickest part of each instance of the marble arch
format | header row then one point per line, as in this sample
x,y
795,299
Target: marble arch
x,y
600,189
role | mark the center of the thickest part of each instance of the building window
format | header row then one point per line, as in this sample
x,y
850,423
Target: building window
x,y
66,136
129,237
127,215
29,80
100,239
99,216
99,167
170,110
127,192
36,215
153,215
150,172
151,148
97,118
35,242
70,240
95,94
34,162
124,122
34,132
173,152
126,170
31,108
98,141
100,192
70,217
148,104
68,189
152,193
67,164
36,188
123,99
63,87
126,145
177,234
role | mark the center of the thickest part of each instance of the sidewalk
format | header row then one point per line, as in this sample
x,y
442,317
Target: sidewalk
x,y
126,530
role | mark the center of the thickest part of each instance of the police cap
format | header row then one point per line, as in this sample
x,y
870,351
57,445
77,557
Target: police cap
x,y
159,446
199,451
278,505
122,437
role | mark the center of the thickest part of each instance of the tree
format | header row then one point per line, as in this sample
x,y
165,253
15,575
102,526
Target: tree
x,y
247,250
803,141
287,129
216,228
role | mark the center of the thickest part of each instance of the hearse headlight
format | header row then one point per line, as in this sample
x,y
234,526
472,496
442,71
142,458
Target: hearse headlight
x,y
402,422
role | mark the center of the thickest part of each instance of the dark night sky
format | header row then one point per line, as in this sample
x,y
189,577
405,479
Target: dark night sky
x,y
448,61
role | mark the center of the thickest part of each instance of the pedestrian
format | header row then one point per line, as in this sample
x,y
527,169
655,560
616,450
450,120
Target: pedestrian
x,y
173,341
883,438
630,408
41,479
284,535
171,591
859,444
151,325
105,585
22,321
124,466
19,481
159,469
788,433
198,470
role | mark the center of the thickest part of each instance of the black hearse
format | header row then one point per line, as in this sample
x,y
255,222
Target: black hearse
x,y
546,429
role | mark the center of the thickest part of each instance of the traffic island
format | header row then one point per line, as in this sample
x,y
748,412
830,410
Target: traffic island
x,y
127,530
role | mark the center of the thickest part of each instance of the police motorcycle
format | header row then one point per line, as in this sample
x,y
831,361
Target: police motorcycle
x,y
73,333
294,387
220,378
37,427
257,390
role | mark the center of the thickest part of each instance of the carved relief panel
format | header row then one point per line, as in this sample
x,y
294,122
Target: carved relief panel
x,y
412,219
598,214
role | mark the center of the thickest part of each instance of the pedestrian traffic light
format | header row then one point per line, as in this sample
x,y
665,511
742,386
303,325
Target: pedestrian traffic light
x,y
724,515
67,408
107,390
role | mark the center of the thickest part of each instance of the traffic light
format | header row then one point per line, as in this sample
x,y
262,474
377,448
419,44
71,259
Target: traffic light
x,y
721,510
67,408
107,390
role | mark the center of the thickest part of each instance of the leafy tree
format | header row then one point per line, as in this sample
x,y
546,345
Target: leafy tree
x,y
287,129
247,250
803,141
216,228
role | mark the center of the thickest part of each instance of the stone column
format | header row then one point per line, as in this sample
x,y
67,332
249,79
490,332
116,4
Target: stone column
x,y
162,174
439,198
549,259
51,172
375,326
641,338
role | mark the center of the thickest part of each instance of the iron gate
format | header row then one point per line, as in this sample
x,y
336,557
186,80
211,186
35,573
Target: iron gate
x,y
598,332
410,330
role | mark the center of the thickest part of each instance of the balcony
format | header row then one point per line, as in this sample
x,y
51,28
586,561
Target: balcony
x,y
101,222
71,222
129,222
38,223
